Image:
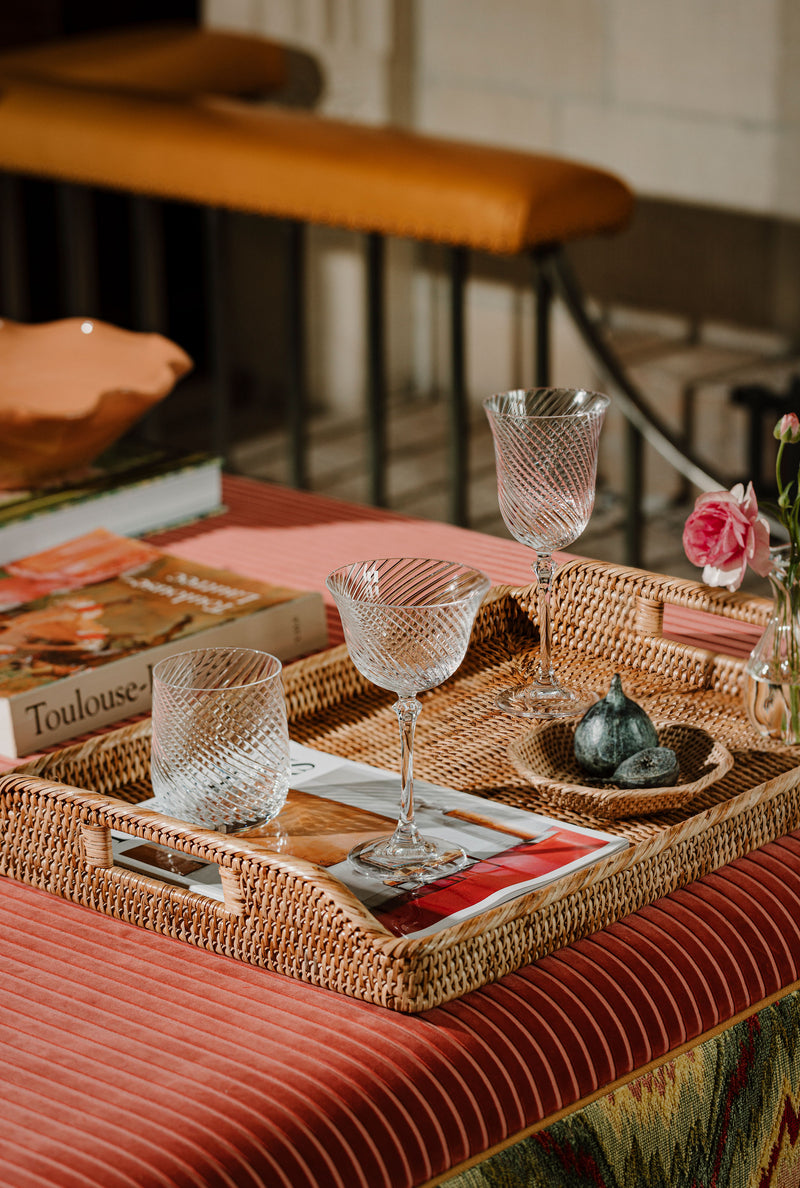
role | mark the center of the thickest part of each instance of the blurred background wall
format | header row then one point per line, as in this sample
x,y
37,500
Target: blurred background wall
x,y
696,103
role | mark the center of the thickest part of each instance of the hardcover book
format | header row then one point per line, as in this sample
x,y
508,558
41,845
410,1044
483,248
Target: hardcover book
x,y
82,624
131,489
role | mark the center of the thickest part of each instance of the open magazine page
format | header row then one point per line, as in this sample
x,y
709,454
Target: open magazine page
x,y
334,804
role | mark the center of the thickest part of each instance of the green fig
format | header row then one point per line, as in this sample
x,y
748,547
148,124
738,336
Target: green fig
x,y
655,767
611,731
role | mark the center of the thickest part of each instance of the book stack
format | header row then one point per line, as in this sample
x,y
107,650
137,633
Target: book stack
x,y
132,489
82,624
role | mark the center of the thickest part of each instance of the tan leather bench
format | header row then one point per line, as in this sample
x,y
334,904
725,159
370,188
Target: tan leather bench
x,y
149,119
217,151
172,60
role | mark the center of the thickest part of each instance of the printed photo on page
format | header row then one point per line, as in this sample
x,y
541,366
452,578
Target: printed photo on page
x,y
511,851
334,804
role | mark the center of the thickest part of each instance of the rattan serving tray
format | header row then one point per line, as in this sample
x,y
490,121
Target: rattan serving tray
x,y
287,915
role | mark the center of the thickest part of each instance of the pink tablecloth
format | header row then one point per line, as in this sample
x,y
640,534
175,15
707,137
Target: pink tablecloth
x,y
134,1061
278,534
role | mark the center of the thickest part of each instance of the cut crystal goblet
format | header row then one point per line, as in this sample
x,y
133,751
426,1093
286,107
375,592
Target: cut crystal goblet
x,y
407,623
545,444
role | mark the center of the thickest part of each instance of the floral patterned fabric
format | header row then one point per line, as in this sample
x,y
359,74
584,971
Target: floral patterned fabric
x,y
725,1114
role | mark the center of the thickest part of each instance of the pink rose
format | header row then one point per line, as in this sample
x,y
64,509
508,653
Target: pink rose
x,y
787,429
725,534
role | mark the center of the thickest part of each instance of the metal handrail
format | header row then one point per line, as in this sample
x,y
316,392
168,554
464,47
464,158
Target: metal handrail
x,y
630,401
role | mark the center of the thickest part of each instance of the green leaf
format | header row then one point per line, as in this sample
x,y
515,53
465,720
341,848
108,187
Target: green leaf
x,y
769,507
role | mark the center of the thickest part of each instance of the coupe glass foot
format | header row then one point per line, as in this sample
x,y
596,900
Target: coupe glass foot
x,y
546,701
391,862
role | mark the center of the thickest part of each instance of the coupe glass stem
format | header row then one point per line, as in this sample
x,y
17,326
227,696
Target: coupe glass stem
x,y
406,834
544,570
407,623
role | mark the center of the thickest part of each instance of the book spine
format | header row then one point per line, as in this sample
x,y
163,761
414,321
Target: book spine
x,y
146,505
88,700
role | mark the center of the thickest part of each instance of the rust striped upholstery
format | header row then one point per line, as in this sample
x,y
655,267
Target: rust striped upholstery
x,y
130,1059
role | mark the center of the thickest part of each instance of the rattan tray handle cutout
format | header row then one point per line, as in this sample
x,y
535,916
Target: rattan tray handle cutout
x,y
545,757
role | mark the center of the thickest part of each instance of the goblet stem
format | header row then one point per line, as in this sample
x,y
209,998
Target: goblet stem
x,y
543,695
407,623
544,570
406,833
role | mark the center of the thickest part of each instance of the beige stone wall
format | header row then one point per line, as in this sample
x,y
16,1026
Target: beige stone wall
x,y
695,102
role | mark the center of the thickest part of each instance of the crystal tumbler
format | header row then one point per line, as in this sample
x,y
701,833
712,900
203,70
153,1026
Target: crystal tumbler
x,y
220,751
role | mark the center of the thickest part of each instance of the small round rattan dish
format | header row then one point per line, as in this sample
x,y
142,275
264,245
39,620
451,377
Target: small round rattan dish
x,y
545,757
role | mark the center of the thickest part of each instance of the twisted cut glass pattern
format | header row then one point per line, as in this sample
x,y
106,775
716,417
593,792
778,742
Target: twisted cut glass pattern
x,y
220,752
407,621
545,443
545,446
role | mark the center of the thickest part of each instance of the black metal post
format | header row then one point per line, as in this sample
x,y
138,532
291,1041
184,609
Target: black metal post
x,y
634,518
459,420
149,286
78,250
149,273
543,293
14,291
215,225
376,369
297,396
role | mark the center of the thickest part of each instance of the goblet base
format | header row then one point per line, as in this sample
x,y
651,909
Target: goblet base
x,y
392,862
546,701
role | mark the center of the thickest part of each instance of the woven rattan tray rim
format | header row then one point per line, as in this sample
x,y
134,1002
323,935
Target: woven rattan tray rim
x,y
335,663
50,828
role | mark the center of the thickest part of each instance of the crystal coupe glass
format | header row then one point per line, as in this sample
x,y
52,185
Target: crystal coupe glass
x,y
407,623
545,444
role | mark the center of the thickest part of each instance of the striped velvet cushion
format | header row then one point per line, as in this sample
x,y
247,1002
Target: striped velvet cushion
x,y
131,1059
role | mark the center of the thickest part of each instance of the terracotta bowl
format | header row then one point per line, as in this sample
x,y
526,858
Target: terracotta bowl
x,y
70,389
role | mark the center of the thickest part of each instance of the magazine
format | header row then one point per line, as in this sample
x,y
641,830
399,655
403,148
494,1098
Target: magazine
x,y
82,624
334,804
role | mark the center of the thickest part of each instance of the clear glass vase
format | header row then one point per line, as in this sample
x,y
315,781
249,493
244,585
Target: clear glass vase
x,y
772,672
